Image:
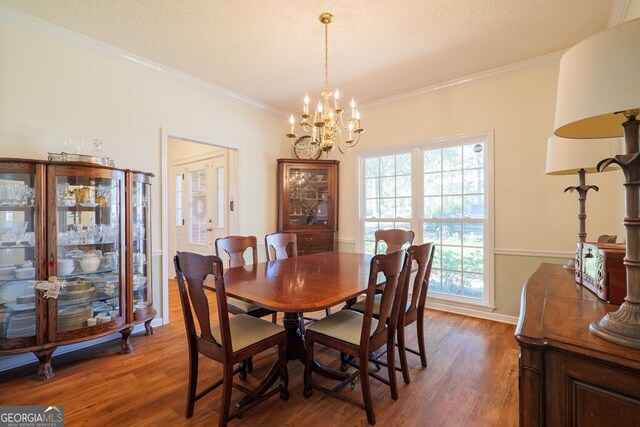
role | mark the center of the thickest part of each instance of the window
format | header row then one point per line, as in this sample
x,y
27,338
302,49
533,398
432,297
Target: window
x,y
179,219
440,191
454,218
198,207
387,195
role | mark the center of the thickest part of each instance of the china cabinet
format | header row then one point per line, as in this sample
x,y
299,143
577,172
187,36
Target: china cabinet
x,y
70,225
308,203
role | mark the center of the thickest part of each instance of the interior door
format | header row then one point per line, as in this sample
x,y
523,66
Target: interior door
x,y
203,206
197,198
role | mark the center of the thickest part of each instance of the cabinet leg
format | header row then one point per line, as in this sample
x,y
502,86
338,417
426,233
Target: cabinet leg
x,y
148,328
125,344
45,371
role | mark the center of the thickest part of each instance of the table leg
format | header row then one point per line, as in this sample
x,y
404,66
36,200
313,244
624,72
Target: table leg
x,y
296,349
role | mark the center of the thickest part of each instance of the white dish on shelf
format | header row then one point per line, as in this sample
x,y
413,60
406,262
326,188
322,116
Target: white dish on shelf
x,y
7,273
88,204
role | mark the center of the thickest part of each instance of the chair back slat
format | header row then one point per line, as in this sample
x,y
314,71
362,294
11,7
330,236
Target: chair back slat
x,y
194,269
423,256
395,239
392,265
281,246
235,246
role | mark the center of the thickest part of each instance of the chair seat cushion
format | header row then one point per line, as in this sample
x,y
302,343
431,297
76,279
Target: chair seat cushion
x,y
247,307
359,306
345,325
247,330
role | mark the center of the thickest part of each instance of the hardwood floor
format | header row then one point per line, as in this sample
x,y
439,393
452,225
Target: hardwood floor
x,y
471,380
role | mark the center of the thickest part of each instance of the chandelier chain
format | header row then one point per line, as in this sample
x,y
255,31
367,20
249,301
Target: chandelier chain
x,y
326,57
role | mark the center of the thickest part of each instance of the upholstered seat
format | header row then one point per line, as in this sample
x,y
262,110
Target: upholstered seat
x,y
345,325
242,305
359,306
247,330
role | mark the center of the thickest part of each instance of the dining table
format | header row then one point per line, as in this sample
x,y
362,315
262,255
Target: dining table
x,y
300,285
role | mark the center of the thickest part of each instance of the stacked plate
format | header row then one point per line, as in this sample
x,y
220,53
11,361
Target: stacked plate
x,y
22,325
74,317
26,273
7,273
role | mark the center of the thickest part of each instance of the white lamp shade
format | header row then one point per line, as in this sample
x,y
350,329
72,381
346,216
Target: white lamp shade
x,y
568,156
599,77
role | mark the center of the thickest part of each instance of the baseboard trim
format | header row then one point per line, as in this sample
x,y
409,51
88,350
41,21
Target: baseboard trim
x,y
17,360
496,317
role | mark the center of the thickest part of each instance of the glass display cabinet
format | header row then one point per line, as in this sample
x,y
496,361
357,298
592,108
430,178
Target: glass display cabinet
x,y
68,224
308,202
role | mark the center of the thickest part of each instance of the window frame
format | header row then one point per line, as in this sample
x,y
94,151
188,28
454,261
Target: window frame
x,y
417,219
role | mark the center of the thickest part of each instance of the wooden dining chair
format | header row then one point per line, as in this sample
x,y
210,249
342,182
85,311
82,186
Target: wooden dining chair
x,y
413,309
235,247
359,334
393,239
284,246
281,246
233,340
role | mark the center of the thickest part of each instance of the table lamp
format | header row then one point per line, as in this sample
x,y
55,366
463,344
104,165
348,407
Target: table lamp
x,y
577,156
599,97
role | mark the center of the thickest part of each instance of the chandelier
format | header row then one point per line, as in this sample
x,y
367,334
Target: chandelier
x,y
323,130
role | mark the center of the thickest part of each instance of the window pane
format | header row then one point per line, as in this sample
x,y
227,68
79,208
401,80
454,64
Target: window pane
x,y
431,232
372,188
474,181
403,207
387,166
432,161
432,184
452,258
372,208
437,257
473,260
473,234
452,182
387,187
435,284
403,225
403,164
452,158
432,207
403,186
473,207
387,208
451,207
473,156
451,233
371,167
473,285
451,282
370,230
369,247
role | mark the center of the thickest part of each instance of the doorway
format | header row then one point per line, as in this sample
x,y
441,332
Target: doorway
x,y
203,187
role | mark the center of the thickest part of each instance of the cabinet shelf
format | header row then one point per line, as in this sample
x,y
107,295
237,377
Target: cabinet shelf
x,y
14,246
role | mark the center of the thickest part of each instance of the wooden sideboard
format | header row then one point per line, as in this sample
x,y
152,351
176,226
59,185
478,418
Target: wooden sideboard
x,y
569,377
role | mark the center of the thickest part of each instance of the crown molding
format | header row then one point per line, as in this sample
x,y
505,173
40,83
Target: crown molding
x,y
540,61
618,12
39,26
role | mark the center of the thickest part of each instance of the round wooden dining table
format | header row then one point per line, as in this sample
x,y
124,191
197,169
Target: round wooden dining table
x,y
298,285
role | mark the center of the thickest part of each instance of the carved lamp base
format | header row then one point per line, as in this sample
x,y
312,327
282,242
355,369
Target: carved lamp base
x,y
621,326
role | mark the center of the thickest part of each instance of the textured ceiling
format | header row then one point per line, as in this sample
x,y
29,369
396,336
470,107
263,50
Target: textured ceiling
x,y
272,51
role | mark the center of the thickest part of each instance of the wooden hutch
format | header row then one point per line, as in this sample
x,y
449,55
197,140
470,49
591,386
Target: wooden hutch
x,y
308,203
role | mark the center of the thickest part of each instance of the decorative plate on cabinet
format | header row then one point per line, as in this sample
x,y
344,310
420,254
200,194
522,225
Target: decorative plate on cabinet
x,y
304,149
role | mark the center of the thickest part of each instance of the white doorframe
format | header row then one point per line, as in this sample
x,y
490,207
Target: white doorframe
x,y
165,134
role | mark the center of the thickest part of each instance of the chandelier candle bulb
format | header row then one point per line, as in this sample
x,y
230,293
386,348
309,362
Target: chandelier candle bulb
x,y
305,109
337,100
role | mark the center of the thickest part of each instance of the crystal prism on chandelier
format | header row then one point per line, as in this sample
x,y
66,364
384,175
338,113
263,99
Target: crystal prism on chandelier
x,y
323,130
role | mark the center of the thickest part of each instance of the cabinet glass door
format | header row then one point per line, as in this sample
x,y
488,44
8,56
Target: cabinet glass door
x,y
141,246
89,224
308,197
18,258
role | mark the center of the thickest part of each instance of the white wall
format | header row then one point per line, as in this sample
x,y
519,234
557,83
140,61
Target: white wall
x,y
532,214
50,87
